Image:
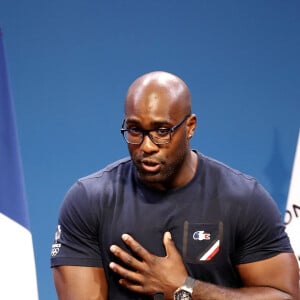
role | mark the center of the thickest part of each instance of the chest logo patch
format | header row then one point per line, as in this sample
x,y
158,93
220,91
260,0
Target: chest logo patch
x,y
201,241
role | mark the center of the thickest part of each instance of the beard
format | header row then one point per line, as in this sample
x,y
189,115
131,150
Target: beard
x,y
163,177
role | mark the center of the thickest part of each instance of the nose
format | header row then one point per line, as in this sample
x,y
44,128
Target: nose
x,y
147,146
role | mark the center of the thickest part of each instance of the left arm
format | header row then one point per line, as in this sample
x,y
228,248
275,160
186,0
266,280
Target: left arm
x,y
273,278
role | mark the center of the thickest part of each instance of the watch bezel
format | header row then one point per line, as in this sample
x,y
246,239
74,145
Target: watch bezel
x,y
182,294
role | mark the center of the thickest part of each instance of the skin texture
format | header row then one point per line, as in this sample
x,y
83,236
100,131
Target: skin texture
x,y
162,100
80,283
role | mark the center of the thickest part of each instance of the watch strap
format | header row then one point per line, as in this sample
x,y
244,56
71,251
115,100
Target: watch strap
x,y
189,283
186,288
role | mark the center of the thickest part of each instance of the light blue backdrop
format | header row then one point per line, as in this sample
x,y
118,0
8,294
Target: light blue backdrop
x,y
71,62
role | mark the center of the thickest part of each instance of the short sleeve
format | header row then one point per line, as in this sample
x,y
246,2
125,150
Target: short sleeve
x,y
261,233
76,239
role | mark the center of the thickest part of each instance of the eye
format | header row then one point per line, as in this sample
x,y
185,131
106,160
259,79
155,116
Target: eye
x,y
162,131
134,131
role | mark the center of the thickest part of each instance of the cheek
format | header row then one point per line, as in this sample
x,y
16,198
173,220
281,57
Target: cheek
x,y
178,149
133,150
181,143
130,149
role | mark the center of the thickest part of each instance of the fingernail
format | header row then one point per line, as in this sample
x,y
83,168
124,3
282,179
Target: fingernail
x,y
125,236
113,248
168,235
112,265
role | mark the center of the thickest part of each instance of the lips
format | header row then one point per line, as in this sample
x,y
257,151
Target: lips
x,y
150,165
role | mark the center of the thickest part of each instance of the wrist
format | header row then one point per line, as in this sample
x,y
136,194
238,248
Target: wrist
x,y
185,291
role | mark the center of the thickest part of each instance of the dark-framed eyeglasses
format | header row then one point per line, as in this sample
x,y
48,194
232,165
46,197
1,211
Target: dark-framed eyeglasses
x,y
160,136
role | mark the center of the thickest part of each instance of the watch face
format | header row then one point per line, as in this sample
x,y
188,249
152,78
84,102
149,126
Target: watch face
x,y
183,295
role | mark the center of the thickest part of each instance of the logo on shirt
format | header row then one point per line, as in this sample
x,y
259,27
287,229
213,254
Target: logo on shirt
x,y
201,241
201,235
56,246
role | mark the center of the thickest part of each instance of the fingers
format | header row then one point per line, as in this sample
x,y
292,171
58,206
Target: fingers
x,y
127,276
145,272
167,237
140,250
128,259
168,243
135,247
130,278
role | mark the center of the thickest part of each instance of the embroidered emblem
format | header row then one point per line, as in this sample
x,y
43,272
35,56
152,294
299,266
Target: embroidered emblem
x,y
201,235
56,246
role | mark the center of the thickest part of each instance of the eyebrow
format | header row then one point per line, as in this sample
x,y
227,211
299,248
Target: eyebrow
x,y
154,123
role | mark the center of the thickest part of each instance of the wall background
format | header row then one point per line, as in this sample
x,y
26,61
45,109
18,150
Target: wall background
x,y
70,63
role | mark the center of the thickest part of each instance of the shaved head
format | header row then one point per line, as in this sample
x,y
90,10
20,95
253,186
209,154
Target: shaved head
x,y
161,89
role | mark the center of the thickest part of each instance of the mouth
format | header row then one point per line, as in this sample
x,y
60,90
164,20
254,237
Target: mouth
x,y
150,166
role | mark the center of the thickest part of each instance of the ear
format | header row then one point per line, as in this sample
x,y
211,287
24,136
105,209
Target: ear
x,y
191,125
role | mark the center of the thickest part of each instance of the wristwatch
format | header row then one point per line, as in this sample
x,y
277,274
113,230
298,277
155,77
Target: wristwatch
x,y
185,291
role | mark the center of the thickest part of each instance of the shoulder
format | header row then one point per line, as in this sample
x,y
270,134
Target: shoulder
x,y
109,176
117,168
225,174
86,190
231,185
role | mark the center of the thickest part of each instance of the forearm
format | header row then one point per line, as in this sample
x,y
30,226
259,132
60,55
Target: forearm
x,y
206,291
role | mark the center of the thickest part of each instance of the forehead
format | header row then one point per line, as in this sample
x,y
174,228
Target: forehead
x,y
152,102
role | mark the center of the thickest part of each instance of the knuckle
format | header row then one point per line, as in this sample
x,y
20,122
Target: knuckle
x,y
153,260
128,260
138,249
125,275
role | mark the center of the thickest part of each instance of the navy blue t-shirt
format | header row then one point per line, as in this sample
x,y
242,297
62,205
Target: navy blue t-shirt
x,y
220,219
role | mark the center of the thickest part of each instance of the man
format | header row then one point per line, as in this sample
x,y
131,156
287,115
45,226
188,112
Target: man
x,y
169,221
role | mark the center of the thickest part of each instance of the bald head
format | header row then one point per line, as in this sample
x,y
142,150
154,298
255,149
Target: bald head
x,y
159,90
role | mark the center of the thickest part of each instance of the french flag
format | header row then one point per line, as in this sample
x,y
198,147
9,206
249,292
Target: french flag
x,y
17,264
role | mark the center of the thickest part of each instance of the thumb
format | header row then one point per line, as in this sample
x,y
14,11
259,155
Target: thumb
x,y
168,243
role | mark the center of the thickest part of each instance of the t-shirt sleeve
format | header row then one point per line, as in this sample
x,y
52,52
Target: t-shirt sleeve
x,y
76,240
262,232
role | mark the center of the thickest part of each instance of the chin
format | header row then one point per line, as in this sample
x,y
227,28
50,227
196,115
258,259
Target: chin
x,y
156,180
150,177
